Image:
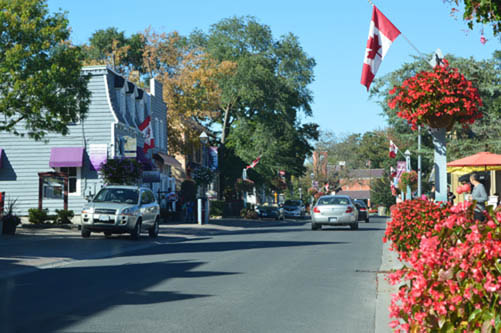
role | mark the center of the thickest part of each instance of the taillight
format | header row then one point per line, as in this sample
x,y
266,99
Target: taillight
x,y
349,209
316,210
363,209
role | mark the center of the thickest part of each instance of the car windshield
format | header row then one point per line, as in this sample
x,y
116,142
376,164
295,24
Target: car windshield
x,y
293,203
117,195
333,201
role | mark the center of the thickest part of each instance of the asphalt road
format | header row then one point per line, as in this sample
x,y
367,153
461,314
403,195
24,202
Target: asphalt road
x,y
252,277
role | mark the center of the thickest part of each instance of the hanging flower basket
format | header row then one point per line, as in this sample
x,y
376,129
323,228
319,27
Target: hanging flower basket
x,y
408,178
438,99
121,171
203,175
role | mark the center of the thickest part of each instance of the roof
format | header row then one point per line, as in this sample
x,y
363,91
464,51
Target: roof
x,y
366,173
356,194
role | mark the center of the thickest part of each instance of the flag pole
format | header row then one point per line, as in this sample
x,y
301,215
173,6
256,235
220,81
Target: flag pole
x,y
421,54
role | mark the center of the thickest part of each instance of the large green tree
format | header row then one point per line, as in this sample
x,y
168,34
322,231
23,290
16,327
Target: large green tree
x,y
41,86
261,102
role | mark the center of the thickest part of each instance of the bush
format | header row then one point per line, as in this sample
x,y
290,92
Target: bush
x,y
412,220
216,208
37,216
453,279
64,216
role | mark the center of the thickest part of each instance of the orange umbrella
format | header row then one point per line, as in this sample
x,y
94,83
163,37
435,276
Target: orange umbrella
x,y
482,161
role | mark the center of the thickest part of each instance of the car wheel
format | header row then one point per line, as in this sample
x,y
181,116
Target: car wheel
x,y
107,233
153,231
367,220
85,233
136,233
315,226
354,226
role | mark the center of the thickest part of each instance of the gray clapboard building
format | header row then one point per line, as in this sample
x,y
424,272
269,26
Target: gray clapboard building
x,y
30,170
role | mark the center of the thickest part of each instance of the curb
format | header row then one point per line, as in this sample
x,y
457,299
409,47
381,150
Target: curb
x,y
389,262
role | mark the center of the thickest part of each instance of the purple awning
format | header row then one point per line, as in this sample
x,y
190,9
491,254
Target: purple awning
x,y
66,157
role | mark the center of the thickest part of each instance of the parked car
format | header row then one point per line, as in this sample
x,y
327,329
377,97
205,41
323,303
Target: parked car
x,y
363,210
121,209
294,208
270,212
334,210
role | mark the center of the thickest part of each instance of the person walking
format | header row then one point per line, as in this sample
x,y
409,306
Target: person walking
x,y
479,195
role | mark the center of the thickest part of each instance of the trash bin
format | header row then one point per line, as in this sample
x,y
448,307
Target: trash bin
x,y
381,211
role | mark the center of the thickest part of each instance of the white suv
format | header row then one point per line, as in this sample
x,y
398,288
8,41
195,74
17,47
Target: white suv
x,y
121,209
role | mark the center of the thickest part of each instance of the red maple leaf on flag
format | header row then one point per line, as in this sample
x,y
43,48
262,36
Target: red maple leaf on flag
x,y
374,47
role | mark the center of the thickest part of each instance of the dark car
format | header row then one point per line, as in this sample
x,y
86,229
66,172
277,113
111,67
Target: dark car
x,y
363,210
270,212
294,208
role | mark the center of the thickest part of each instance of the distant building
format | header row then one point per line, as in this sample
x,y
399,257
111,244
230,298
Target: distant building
x,y
357,184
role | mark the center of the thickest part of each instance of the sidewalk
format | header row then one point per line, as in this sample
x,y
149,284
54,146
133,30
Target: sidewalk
x,y
389,262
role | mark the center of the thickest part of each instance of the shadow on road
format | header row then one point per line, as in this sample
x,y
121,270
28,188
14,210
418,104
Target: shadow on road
x,y
190,247
51,299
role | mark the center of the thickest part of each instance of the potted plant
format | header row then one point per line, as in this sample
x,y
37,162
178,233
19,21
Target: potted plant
x,y
9,220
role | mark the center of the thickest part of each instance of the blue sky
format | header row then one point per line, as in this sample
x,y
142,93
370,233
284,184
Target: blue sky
x,y
333,32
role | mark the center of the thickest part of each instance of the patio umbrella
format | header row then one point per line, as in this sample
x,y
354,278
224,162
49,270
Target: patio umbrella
x,y
483,161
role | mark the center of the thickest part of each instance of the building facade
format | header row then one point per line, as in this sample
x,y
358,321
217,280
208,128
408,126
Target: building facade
x,y
31,170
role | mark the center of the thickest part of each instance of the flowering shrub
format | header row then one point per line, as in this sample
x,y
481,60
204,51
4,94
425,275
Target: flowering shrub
x,y
203,175
437,99
121,171
408,178
412,220
453,279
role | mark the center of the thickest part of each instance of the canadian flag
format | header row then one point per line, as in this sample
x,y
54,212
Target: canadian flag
x,y
254,163
382,33
146,129
393,150
393,172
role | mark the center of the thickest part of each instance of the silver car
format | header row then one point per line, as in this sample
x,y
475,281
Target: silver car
x,y
334,210
121,209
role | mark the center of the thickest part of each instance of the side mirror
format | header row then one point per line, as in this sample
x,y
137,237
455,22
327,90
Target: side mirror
x,y
88,198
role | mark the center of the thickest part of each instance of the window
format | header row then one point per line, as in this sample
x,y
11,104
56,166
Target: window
x,y
117,195
73,179
145,198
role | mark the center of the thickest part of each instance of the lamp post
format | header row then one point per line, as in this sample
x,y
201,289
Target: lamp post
x,y
408,168
204,138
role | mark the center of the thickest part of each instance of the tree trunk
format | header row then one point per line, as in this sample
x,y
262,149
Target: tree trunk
x,y
221,152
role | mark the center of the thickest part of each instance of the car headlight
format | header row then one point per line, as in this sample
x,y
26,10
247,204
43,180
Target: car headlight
x,y
87,210
128,211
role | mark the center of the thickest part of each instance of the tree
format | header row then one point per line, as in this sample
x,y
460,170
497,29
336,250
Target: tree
x,y
268,90
41,86
480,11
110,46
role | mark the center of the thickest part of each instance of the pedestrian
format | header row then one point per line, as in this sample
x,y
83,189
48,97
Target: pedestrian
x,y
450,195
479,195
